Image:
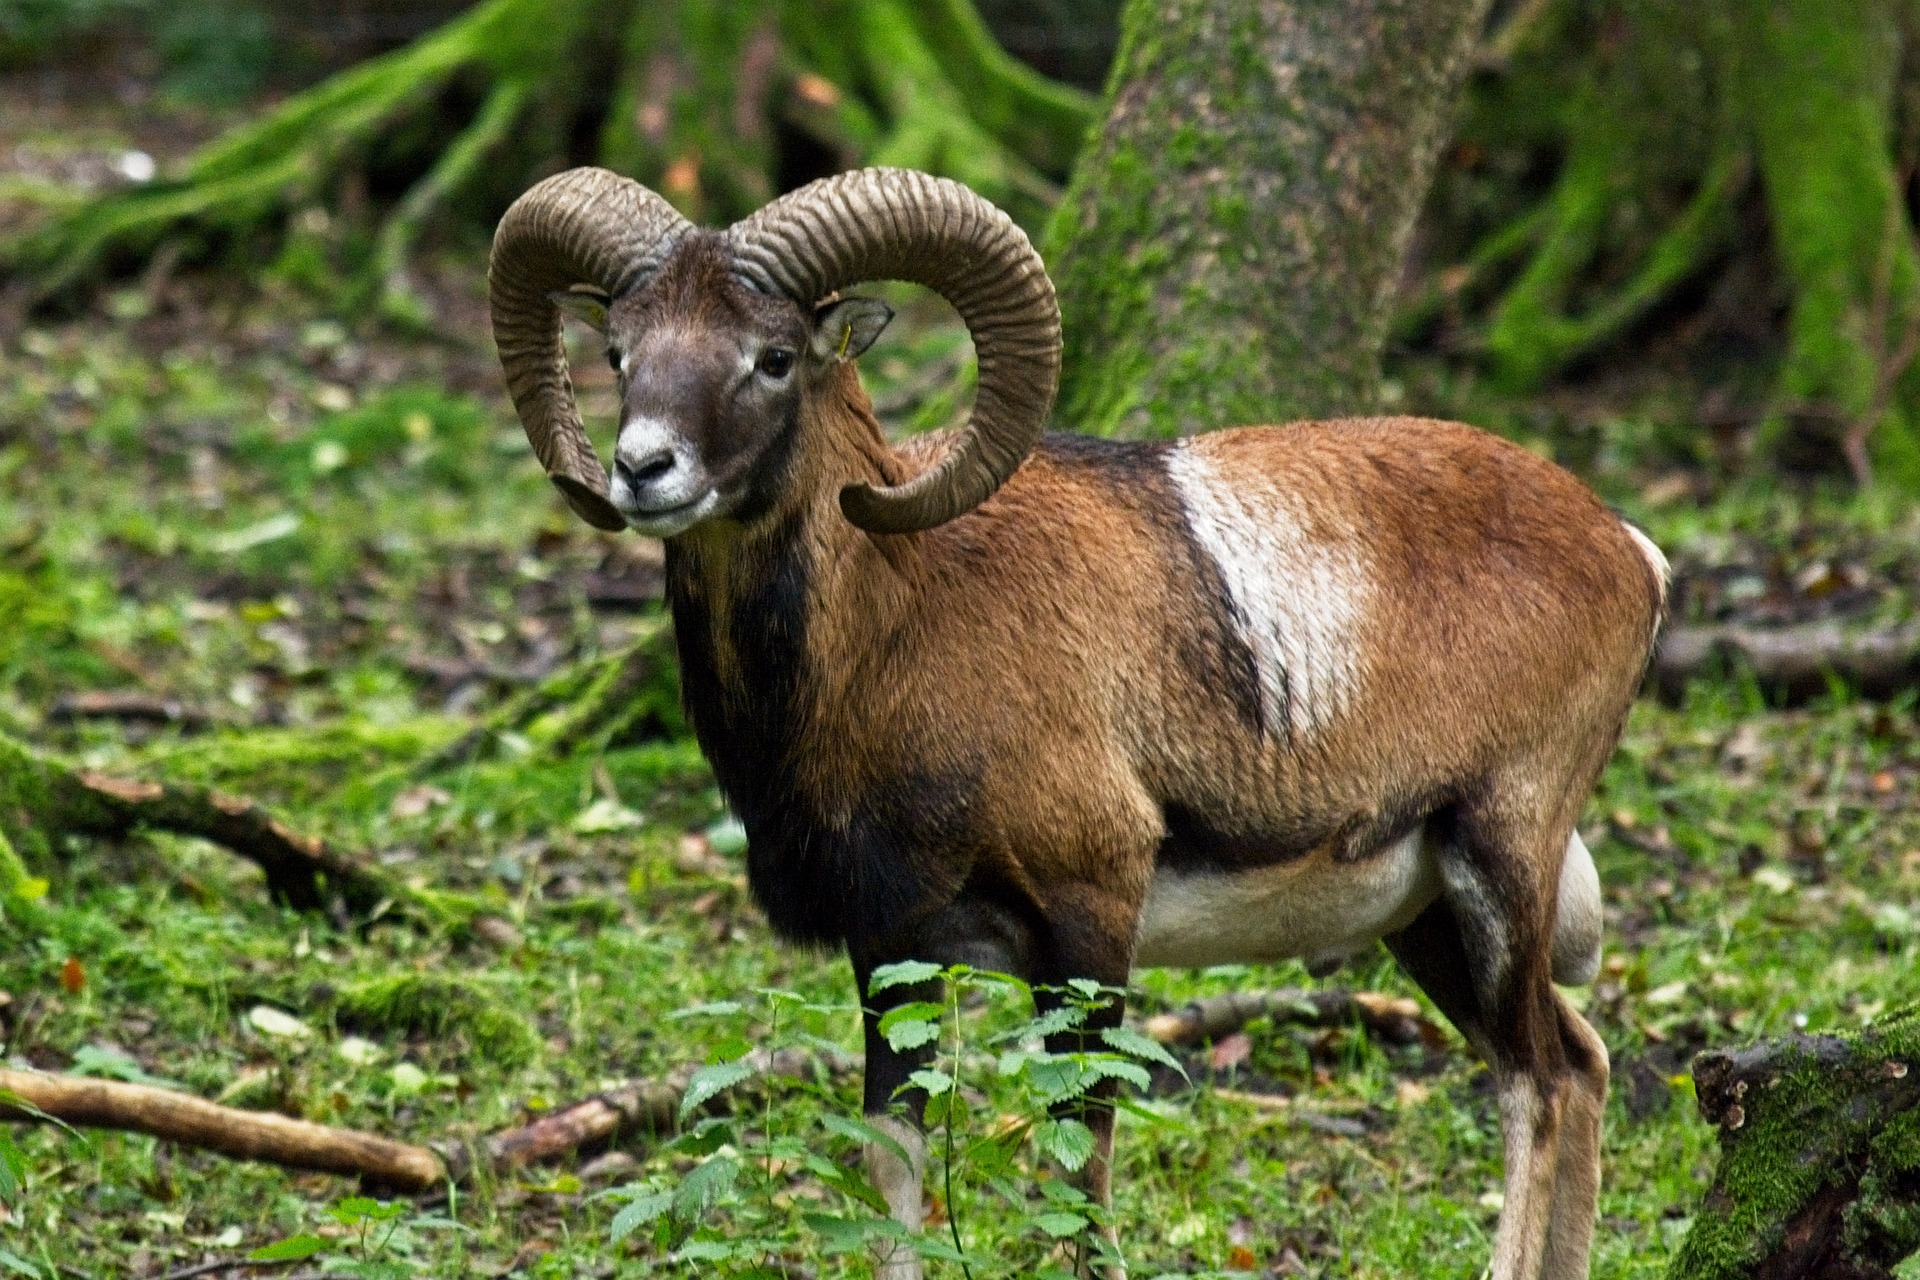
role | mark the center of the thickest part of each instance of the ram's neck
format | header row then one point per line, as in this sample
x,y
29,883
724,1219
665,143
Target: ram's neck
x,y
778,620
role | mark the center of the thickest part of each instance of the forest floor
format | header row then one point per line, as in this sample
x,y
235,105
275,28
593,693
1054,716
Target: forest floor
x,y
332,553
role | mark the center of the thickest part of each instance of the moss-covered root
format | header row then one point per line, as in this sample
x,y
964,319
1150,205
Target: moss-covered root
x,y
914,83
611,700
1229,248
43,799
1820,1157
438,1005
1820,82
296,152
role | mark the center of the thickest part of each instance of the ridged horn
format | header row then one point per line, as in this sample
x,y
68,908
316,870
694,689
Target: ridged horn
x,y
586,226
896,224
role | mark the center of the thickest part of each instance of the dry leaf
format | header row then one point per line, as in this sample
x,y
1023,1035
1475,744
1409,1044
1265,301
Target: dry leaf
x,y
415,801
73,978
1230,1051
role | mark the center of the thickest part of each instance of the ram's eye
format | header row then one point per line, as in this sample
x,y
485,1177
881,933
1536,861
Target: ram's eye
x,y
613,358
776,362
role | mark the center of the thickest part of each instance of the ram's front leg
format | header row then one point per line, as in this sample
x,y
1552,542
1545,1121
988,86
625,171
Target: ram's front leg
x,y
897,1169
1090,935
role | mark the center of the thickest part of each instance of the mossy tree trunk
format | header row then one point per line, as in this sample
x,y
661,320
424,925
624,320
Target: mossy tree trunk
x,y
1228,250
1819,1173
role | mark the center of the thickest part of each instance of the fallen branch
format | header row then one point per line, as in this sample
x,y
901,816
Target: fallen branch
x,y
42,798
192,1121
128,704
1819,1172
642,1106
1395,1019
1792,663
645,1106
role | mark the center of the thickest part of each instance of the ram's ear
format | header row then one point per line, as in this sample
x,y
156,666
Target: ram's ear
x,y
584,303
846,327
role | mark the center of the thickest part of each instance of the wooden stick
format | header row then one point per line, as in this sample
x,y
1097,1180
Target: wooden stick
x,y
244,1135
1396,1019
644,1105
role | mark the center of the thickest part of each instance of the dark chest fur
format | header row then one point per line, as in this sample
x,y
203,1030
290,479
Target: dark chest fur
x,y
824,879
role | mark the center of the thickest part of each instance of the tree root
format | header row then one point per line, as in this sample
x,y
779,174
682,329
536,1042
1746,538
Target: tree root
x,y
645,1106
1395,1019
294,153
1819,1171
699,88
1793,664
42,799
602,701
1531,335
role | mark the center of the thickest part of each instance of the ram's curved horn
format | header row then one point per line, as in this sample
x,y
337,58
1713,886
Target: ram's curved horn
x,y
895,224
583,226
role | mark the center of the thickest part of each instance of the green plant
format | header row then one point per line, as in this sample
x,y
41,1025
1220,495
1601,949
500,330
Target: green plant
x,y
732,1213
380,1243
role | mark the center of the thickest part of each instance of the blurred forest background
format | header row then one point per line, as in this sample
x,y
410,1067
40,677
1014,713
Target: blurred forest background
x,y
269,529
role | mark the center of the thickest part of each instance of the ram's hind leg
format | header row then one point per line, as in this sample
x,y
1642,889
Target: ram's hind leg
x,y
1482,953
1576,1188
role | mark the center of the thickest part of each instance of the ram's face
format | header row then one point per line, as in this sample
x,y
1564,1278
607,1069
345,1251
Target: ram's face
x,y
713,375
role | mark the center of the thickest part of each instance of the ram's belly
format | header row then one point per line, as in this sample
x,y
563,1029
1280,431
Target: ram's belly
x,y
1314,908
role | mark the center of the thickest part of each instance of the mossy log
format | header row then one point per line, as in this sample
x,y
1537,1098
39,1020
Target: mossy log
x,y
43,799
1229,248
1792,664
1819,1174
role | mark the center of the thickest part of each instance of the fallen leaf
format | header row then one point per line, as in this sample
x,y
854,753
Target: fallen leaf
x,y
1411,1093
415,801
605,815
73,978
1240,1258
269,1021
1671,993
359,1052
1230,1051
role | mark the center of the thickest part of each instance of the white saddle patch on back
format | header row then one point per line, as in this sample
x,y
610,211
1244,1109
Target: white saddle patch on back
x,y
1314,907
1295,604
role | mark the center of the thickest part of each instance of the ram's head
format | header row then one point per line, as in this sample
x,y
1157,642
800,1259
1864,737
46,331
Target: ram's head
x,y
716,334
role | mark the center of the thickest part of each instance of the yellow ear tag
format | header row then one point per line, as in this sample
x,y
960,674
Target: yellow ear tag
x,y
846,340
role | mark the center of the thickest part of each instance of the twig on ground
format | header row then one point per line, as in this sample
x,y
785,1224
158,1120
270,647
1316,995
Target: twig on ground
x,y
1396,1019
128,704
218,1265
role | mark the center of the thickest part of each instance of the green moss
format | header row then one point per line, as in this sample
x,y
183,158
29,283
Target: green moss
x,y
438,1005
1816,1125
297,765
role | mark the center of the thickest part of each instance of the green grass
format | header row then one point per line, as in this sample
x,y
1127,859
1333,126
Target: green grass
x,y
217,523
